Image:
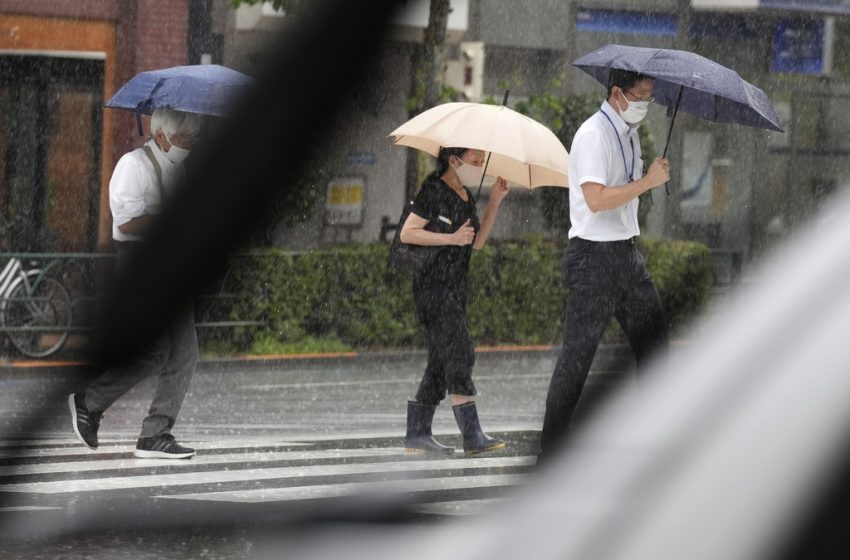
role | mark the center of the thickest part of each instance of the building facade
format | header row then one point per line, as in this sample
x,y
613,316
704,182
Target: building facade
x,y
59,62
735,188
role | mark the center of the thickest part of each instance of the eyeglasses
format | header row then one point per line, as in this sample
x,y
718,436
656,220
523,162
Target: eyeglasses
x,y
641,99
185,139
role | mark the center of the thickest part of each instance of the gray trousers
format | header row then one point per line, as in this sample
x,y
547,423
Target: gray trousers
x,y
171,357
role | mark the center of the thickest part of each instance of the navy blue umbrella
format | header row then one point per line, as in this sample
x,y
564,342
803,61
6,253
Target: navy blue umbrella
x,y
690,82
207,89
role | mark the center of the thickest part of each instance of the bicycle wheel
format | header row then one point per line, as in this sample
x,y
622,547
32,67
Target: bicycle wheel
x,y
37,313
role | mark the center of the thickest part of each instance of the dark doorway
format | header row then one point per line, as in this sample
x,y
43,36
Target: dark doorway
x,y
50,143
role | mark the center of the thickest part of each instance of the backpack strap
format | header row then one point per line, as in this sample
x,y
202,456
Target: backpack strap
x,y
158,169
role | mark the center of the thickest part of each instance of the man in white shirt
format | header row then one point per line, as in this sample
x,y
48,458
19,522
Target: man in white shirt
x,y
604,270
138,191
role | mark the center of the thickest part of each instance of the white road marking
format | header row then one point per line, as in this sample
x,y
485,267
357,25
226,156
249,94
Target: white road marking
x,y
353,488
119,464
80,449
253,475
373,382
26,508
467,507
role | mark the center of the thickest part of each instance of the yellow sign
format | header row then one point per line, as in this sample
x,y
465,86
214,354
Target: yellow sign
x,y
345,194
344,202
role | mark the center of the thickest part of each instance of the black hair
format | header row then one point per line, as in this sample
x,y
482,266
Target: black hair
x,y
443,161
624,79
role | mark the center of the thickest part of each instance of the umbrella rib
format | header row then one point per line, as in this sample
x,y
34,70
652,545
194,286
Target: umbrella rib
x,y
651,58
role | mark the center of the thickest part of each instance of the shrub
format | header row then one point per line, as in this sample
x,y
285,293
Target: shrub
x,y
344,297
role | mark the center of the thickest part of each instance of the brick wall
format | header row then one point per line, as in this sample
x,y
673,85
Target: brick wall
x,y
152,34
161,33
82,9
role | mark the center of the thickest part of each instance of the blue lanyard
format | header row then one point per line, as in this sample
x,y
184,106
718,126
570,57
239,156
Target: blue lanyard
x,y
630,174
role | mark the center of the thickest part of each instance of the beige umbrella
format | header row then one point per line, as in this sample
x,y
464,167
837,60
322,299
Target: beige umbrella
x,y
521,149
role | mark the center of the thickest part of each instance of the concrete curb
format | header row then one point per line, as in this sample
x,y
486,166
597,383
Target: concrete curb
x,y
611,356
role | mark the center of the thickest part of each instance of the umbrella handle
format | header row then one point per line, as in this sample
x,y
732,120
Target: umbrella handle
x,y
487,163
139,119
481,184
670,130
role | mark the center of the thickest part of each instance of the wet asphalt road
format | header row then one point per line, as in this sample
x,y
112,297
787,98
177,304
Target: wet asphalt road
x,y
308,398
278,442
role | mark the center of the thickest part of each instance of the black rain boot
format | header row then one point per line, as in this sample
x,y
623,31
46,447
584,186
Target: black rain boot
x,y
474,439
419,438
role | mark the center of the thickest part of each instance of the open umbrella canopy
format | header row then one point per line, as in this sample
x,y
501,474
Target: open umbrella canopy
x,y
521,149
207,89
691,82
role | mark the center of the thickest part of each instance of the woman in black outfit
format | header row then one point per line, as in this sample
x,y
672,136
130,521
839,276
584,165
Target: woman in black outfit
x,y
445,204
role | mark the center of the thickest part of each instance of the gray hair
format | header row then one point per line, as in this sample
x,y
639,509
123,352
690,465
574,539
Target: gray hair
x,y
173,122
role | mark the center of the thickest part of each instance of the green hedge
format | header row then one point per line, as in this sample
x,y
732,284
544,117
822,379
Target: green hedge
x,y
347,297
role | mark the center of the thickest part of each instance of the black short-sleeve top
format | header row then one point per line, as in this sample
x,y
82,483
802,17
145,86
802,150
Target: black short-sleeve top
x,y
445,211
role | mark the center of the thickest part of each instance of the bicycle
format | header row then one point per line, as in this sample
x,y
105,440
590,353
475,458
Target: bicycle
x,y
35,309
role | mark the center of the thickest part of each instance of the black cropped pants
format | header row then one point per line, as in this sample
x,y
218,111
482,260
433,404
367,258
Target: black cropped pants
x,y
450,351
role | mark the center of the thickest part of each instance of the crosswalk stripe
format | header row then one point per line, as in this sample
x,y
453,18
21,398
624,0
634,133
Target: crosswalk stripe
x,y
11,443
78,449
244,475
462,507
15,509
227,458
350,488
65,451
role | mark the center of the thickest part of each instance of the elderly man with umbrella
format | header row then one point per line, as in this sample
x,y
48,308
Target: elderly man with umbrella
x,y
139,191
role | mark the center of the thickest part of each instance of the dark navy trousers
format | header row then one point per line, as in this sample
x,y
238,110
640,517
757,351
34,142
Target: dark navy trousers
x,y
605,280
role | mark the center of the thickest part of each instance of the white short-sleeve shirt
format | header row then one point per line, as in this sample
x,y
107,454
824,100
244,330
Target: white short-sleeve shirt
x,y
596,157
133,189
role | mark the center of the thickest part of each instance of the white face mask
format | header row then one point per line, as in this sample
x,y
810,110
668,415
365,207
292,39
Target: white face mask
x,y
635,112
469,175
175,154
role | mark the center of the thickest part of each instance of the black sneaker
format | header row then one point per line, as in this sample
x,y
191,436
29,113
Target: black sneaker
x,y
162,447
85,422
